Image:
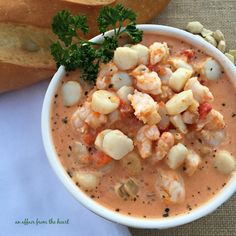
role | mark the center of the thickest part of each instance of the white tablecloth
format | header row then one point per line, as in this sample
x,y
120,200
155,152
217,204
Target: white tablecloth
x,y
29,189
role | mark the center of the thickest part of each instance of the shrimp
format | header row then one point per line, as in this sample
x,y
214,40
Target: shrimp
x,y
85,116
139,70
104,75
163,145
144,138
213,121
149,83
191,163
164,73
158,52
146,81
146,109
170,186
167,93
211,138
200,92
180,62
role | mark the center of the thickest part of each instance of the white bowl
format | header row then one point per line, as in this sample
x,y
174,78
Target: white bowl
x,y
159,223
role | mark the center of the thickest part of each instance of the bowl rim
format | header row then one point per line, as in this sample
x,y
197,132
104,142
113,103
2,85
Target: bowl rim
x,y
132,221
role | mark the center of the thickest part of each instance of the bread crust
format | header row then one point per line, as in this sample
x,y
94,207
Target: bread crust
x,y
14,76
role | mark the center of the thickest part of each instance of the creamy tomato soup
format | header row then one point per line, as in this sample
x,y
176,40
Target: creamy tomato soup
x,y
155,136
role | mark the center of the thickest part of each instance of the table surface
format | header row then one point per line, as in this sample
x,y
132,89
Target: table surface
x,y
213,14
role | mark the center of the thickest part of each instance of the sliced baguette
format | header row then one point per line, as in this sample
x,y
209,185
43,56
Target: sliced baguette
x,y
24,55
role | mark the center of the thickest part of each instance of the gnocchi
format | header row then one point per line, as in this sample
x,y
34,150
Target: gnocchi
x,y
176,156
86,179
179,124
179,102
116,144
71,93
125,58
124,91
104,102
120,79
224,162
143,53
179,78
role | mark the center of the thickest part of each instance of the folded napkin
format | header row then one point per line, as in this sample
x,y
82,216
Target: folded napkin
x,y
32,199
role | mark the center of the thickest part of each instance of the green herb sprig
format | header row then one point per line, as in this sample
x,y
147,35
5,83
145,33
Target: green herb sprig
x,y
74,52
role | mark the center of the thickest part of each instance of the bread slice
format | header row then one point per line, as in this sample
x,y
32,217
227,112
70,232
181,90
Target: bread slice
x,y
24,55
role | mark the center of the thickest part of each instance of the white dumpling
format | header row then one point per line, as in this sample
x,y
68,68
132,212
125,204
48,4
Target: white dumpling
x,y
104,102
179,102
211,69
120,79
176,156
125,58
179,124
143,53
116,144
86,179
99,139
179,78
71,93
224,162
124,91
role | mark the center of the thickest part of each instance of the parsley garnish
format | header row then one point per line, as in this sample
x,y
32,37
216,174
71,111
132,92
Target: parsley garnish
x,y
74,52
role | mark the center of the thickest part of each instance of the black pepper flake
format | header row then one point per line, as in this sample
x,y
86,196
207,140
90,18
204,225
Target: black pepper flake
x,y
167,209
135,199
209,188
144,216
223,104
70,148
223,184
233,114
189,207
56,95
165,215
68,172
117,209
86,93
64,120
129,213
198,192
110,86
184,168
92,196
199,140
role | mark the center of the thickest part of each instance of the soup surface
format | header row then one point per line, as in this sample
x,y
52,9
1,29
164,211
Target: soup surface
x,y
150,139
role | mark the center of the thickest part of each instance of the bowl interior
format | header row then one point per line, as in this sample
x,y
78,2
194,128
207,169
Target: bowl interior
x,y
159,223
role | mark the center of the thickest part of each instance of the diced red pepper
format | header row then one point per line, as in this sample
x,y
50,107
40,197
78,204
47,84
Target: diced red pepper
x,y
204,109
152,67
89,138
189,53
101,159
